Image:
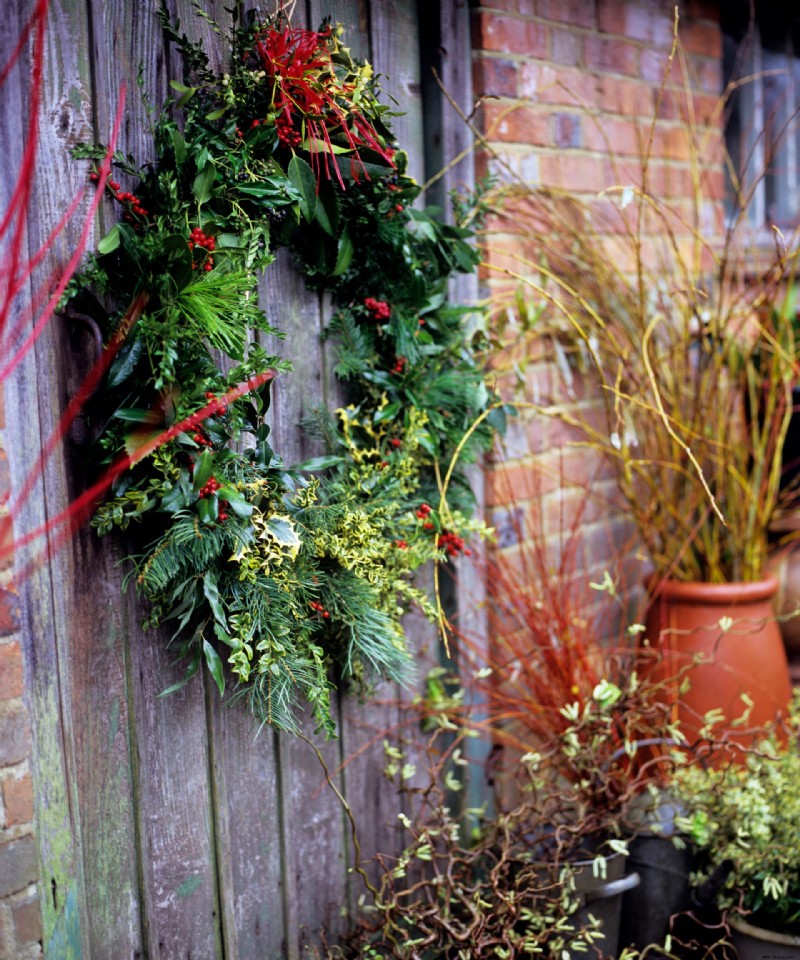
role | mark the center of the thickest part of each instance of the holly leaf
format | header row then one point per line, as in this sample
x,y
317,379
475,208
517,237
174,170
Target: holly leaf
x,y
202,470
281,529
302,176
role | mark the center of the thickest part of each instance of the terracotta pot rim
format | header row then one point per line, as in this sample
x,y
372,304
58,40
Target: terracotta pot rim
x,y
735,593
761,933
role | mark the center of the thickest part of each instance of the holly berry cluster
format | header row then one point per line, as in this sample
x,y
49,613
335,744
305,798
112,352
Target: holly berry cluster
x,y
399,365
201,440
318,607
286,132
198,238
133,205
378,309
453,544
209,488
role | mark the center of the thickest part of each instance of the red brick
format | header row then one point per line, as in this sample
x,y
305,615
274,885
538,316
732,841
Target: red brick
x,y
18,800
567,130
521,7
547,83
495,77
578,13
672,143
9,612
613,136
701,38
511,35
612,55
18,865
566,47
573,172
627,97
10,671
27,920
514,123
15,737
636,22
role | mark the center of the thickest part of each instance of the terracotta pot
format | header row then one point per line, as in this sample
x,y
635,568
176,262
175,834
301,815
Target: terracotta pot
x,y
754,943
732,628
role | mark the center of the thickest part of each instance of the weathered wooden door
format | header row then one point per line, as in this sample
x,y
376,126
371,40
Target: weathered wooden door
x,y
166,827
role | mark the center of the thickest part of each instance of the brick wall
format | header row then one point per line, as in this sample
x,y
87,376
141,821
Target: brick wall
x,y
20,919
573,95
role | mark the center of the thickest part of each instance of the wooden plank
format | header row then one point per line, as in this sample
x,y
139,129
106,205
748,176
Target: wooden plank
x,y
64,744
172,838
249,821
394,41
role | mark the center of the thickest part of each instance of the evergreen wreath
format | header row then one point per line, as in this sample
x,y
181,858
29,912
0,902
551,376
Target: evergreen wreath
x,y
293,575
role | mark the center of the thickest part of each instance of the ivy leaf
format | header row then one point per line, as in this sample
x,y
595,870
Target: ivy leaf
x,y
211,591
302,176
110,241
214,665
201,188
202,470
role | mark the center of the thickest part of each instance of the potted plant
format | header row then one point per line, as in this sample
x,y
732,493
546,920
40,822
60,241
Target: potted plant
x,y
574,723
743,820
673,330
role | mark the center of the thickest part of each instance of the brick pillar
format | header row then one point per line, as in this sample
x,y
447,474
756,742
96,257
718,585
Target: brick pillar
x,y
20,917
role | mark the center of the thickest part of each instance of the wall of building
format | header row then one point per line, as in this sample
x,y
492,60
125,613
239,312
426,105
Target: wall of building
x,y
574,93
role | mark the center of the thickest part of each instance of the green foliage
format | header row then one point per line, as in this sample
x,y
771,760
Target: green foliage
x,y
745,816
285,580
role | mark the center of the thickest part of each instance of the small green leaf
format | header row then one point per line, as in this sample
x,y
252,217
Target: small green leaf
x,y
208,510
389,412
139,415
178,145
216,114
202,470
345,254
203,182
327,215
191,670
315,464
211,592
214,665
302,176
110,241
237,501
125,362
